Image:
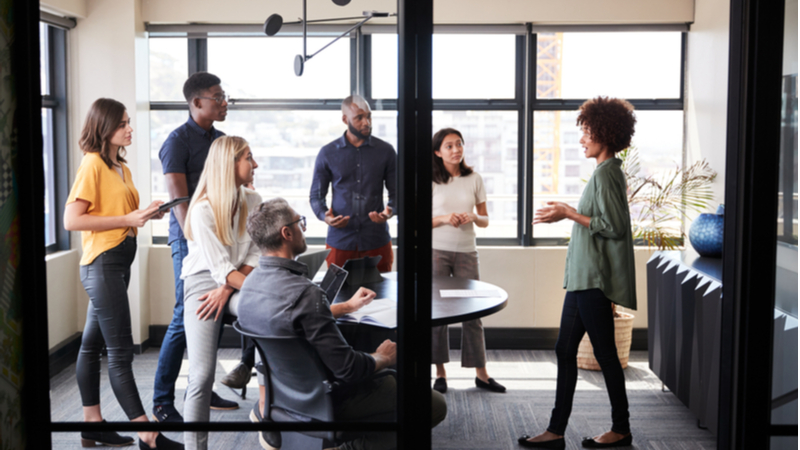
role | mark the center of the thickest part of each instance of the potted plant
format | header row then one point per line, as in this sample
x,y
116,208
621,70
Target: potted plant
x,y
657,204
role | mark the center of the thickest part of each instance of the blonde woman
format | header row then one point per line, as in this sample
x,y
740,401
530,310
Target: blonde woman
x,y
104,206
221,255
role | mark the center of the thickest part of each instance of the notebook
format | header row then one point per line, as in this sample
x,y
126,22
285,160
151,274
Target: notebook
x,y
379,313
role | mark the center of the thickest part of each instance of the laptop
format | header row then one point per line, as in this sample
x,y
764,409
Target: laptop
x,y
333,281
314,261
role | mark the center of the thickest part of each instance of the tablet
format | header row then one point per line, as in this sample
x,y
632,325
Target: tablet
x,y
172,203
314,261
333,281
363,270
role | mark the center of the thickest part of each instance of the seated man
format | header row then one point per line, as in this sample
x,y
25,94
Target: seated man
x,y
278,300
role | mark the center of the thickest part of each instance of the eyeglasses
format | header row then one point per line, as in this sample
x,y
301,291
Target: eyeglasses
x,y
302,221
219,98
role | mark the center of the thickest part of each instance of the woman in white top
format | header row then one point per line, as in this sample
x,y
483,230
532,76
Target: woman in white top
x,y
459,203
221,255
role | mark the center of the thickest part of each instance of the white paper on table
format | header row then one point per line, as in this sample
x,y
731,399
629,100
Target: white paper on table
x,y
380,312
445,293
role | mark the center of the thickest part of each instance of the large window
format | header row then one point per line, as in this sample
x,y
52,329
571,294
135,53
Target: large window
x,y
481,100
479,88
643,67
52,59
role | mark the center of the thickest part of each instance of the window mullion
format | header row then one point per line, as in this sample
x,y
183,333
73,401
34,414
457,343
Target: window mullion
x,y
198,54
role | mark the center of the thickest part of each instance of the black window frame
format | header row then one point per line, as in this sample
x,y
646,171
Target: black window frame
x,y
525,101
548,104
56,102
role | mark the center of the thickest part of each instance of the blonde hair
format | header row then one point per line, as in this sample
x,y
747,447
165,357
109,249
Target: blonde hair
x,y
217,186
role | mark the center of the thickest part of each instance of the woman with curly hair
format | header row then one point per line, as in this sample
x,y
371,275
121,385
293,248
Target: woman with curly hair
x,y
599,271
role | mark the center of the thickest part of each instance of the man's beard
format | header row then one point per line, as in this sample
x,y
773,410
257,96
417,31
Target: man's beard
x,y
301,248
357,133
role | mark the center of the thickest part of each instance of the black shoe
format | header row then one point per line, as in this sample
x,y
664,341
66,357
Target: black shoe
x,y
220,403
555,444
269,440
492,385
162,443
167,414
591,443
440,385
104,439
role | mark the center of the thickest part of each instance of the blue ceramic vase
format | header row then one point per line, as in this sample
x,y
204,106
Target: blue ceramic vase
x,y
705,234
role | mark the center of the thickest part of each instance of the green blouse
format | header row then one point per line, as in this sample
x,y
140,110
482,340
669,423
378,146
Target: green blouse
x,y
601,256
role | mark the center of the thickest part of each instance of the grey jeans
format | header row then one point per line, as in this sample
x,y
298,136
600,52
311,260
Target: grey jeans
x,y
201,348
473,345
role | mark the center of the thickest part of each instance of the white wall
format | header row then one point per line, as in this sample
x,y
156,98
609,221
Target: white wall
x,y
445,11
70,8
531,276
66,299
707,89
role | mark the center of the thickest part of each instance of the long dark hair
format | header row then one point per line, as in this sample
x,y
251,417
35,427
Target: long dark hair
x,y
101,123
439,174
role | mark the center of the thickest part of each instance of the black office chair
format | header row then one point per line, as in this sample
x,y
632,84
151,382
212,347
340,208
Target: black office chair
x,y
298,385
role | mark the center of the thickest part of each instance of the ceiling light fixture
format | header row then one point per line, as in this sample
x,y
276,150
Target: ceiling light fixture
x,y
274,23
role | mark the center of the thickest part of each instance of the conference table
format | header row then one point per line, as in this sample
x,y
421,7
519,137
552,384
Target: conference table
x,y
445,310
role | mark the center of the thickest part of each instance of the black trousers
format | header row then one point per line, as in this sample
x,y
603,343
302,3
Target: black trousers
x,y
590,312
108,322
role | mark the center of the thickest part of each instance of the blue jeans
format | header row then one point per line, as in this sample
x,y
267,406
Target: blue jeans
x,y
590,312
174,343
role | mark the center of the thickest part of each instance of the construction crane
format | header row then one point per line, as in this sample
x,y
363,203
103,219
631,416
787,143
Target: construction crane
x,y
548,85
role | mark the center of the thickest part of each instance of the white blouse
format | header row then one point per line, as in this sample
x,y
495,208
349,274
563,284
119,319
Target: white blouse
x,y
460,194
206,252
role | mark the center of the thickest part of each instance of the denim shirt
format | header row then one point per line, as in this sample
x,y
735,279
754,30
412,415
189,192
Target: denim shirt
x,y
601,256
278,300
185,151
357,177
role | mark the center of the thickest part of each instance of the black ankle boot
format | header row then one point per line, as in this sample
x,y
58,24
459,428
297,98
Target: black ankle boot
x,y
162,443
104,439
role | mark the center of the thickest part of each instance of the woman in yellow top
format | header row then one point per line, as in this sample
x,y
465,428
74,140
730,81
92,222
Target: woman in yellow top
x,y
103,205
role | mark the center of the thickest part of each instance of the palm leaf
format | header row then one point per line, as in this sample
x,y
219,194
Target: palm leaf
x,y
659,203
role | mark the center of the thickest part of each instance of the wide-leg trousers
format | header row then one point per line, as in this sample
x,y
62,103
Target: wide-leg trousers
x,y
473,343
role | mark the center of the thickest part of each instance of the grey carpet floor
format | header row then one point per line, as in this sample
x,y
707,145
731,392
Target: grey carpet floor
x,y
476,419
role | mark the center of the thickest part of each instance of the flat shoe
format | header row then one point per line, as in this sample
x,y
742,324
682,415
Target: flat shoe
x,y
440,385
269,440
104,439
492,385
238,377
162,443
591,443
554,444
220,403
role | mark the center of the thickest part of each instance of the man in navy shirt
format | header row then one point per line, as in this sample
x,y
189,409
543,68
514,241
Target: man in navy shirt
x,y
357,166
183,157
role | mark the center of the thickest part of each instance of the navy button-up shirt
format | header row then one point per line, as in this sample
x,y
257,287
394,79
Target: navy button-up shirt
x,y
357,176
185,151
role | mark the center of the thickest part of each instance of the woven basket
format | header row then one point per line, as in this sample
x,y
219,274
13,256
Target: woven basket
x,y
623,331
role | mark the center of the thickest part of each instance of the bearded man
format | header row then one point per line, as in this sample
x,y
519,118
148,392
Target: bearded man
x,y
356,166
